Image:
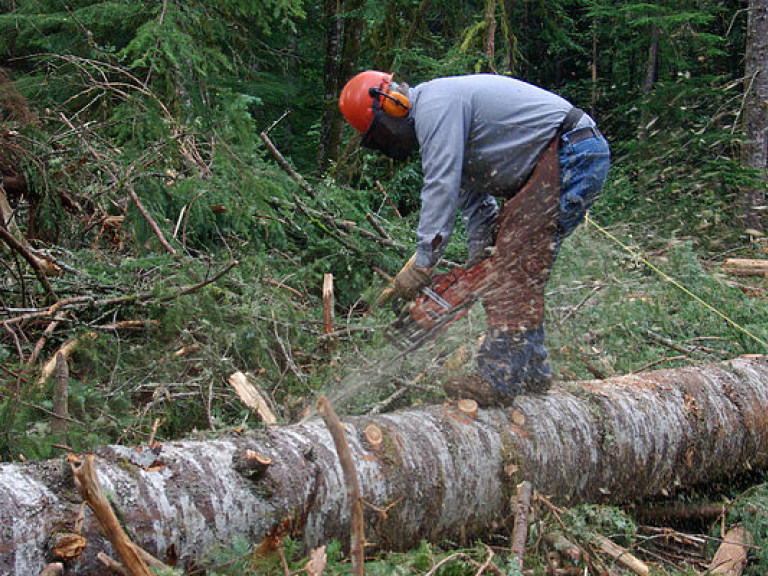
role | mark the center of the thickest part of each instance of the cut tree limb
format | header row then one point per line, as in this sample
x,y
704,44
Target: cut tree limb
x,y
357,537
622,556
88,485
282,162
328,304
437,473
252,397
64,350
520,531
731,557
746,267
42,267
60,398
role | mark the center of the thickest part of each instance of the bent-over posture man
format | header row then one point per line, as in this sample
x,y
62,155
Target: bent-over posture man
x,y
484,137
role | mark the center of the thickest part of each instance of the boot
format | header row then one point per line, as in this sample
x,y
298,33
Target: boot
x,y
511,362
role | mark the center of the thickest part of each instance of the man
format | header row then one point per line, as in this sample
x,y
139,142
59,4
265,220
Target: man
x,y
484,137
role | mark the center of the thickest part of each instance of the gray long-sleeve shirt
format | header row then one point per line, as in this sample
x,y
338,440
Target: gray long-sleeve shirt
x,y
480,136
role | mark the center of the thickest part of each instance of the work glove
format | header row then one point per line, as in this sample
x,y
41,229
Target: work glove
x,y
410,280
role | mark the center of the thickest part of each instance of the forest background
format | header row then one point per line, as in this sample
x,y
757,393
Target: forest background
x,y
150,229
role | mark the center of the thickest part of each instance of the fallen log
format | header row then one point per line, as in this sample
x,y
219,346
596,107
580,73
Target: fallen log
x,y
746,267
437,473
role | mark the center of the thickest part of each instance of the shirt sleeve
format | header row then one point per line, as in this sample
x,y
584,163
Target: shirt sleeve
x,y
442,127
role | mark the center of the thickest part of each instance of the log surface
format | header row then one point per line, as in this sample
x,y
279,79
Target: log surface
x,y
438,473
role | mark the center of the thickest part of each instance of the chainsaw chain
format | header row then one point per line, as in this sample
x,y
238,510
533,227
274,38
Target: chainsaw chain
x,y
408,337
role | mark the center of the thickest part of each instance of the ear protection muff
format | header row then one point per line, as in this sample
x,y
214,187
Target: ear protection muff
x,y
396,104
393,103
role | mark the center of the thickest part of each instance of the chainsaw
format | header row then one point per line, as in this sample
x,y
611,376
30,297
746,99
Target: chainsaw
x,y
449,297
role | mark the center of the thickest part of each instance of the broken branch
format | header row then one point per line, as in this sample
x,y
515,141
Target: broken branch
x,y
336,428
520,530
88,486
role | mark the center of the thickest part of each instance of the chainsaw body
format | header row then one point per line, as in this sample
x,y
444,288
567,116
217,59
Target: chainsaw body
x,y
448,298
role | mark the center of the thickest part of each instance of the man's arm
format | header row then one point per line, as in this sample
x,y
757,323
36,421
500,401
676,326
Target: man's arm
x,y
442,126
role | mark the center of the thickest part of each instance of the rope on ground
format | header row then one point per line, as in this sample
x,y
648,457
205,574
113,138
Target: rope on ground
x,y
674,282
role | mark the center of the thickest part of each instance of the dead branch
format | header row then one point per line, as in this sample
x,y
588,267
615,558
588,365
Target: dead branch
x,y
520,530
128,325
113,565
344,225
282,162
184,290
380,407
88,486
81,301
64,350
32,259
50,329
60,397
150,220
563,547
376,226
622,555
328,305
388,199
279,284
336,428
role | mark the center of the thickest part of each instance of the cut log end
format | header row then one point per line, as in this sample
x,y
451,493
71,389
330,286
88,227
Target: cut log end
x,y
374,436
467,407
69,546
518,418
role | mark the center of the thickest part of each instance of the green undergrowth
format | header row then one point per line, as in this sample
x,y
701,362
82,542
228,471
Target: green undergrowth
x,y
615,307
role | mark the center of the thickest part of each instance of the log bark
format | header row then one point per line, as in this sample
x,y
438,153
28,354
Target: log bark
x,y
437,473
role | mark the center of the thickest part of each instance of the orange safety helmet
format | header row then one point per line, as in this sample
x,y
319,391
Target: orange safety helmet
x,y
359,94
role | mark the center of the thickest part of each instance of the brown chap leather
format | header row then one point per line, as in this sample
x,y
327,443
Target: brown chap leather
x,y
525,238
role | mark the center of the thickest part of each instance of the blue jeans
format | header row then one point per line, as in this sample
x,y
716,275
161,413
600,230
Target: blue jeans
x,y
583,170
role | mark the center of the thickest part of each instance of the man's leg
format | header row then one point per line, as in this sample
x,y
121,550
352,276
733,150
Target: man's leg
x,y
583,170
512,354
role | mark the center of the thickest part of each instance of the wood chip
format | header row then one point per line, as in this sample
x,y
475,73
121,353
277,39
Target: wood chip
x,y
252,397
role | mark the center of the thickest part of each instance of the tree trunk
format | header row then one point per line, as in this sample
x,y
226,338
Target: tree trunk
x,y
330,127
755,146
652,64
438,473
343,37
